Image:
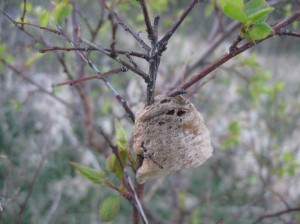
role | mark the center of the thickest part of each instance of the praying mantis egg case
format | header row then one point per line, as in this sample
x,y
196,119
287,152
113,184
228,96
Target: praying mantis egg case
x,y
171,135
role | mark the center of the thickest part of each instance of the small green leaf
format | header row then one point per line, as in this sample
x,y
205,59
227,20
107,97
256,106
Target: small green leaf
x,y
61,11
113,165
95,176
261,15
121,137
16,104
234,9
110,163
28,7
2,49
254,6
44,17
110,208
259,31
234,128
208,10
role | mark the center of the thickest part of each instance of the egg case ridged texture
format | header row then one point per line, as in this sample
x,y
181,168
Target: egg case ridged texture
x,y
174,136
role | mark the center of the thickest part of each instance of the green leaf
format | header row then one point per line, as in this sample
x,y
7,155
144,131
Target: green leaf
x,y
44,17
28,7
257,11
113,165
234,9
208,10
234,128
254,6
261,15
61,11
110,208
110,163
16,104
2,49
259,31
121,137
95,176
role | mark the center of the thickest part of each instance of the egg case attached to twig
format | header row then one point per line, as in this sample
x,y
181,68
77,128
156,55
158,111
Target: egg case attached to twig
x,y
171,135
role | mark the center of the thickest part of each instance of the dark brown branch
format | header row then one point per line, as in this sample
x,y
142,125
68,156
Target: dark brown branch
x,y
116,58
126,27
277,30
287,32
86,49
150,31
72,82
276,214
164,41
24,13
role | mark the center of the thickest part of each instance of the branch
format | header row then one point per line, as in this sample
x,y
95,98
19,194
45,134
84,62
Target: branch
x,y
164,40
72,82
126,27
24,13
86,49
275,214
40,88
277,30
116,58
136,202
100,76
150,31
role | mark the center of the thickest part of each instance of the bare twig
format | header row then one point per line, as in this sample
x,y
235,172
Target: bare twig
x,y
22,206
24,13
276,214
277,30
126,27
116,58
40,88
164,40
100,76
86,49
72,82
149,27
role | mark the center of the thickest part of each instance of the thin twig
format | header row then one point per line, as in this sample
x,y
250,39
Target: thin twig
x,y
100,76
164,40
40,88
86,49
149,27
137,203
276,214
72,82
24,13
116,58
126,27
277,30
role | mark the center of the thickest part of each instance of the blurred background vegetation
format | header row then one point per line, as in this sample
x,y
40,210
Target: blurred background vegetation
x,y
251,106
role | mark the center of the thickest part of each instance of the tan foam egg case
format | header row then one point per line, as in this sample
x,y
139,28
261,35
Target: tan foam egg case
x,y
171,135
